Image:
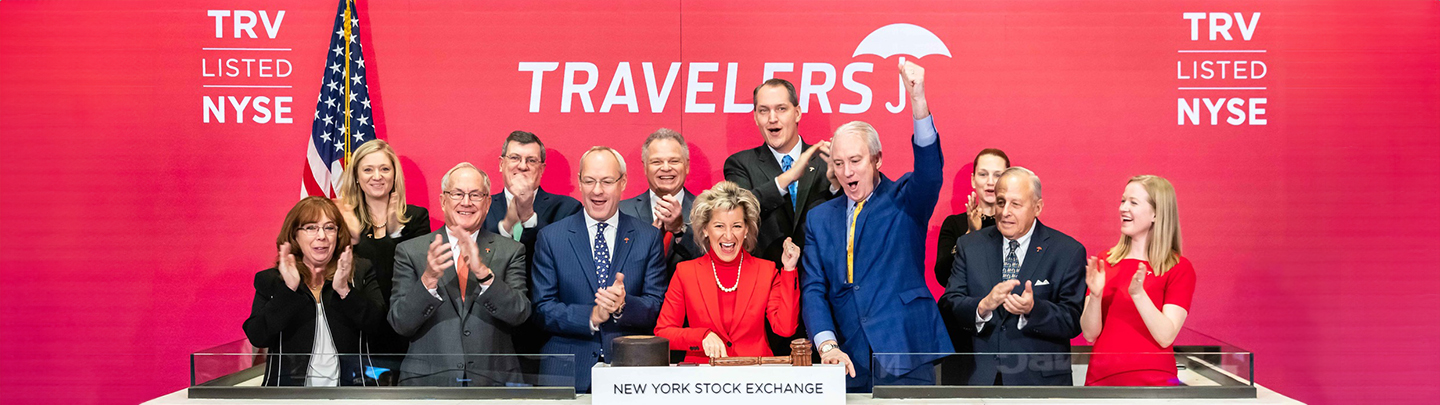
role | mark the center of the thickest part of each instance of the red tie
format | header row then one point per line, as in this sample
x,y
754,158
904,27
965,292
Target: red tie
x,y
462,270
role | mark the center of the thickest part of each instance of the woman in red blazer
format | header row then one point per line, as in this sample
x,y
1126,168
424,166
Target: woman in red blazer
x,y
727,295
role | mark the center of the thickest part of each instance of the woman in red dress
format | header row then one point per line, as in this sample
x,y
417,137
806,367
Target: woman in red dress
x,y
726,296
1139,295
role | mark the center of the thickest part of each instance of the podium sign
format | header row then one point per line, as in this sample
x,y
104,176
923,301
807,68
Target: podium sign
x,y
703,385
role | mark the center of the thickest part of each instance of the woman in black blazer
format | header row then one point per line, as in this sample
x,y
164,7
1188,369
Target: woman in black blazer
x,y
314,300
372,202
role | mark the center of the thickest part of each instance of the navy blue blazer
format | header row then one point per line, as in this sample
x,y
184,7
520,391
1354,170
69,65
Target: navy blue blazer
x,y
565,284
888,309
1055,264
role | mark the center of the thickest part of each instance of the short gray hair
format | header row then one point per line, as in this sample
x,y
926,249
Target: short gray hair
x,y
612,151
866,131
664,133
1017,170
445,180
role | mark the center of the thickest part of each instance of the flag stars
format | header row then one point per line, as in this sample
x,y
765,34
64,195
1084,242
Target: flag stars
x,y
332,85
352,96
330,102
337,50
366,102
355,79
364,120
329,120
359,137
335,68
361,62
325,136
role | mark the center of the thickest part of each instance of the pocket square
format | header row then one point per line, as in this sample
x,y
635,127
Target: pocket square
x,y
1042,282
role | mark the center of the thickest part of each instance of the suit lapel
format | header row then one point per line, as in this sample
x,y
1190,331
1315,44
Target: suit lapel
x,y
643,211
486,242
450,282
687,202
710,294
1038,242
542,207
748,279
580,245
623,230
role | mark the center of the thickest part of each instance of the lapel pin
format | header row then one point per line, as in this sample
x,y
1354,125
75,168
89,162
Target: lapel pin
x,y
812,168
627,240
487,250
1039,248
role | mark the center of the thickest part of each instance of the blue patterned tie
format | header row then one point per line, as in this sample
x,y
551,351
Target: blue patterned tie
x,y
602,255
785,163
1012,264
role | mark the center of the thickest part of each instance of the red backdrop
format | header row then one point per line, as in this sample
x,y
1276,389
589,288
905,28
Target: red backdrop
x,y
132,227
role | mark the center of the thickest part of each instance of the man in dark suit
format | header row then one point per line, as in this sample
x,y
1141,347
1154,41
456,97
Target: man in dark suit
x,y
522,209
863,290
666,204
787,181
459,292
598,275
1038,317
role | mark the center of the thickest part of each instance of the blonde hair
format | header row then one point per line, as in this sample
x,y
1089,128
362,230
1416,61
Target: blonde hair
x,y
350,183
725,196
1163,250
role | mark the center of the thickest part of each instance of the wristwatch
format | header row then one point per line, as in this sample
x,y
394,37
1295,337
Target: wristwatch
x,y
487,278
828,346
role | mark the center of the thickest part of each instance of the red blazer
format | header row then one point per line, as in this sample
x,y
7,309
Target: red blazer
x,y
769,294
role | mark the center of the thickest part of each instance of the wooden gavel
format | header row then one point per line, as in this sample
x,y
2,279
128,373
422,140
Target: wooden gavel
x,y
799,356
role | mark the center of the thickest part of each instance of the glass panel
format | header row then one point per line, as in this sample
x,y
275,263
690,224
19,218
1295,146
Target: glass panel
x,y
237,364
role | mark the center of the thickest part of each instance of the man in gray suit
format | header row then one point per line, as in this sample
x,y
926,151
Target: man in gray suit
x,y
666,204
459,293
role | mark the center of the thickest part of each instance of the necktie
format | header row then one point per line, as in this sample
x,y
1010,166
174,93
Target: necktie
x,y
602,255
785,163
1012,264
462,272
516,230
850,244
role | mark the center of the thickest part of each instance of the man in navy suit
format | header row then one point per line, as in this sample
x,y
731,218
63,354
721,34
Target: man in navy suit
x,y
519,212
666,203
863,289
1038,317
522,209
598,274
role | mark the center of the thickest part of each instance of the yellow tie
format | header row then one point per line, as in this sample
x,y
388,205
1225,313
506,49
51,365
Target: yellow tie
x,y
850,244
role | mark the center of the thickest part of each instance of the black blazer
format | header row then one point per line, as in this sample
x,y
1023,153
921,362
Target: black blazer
x,y
381,254
755,170
283,321
682,246
1055,263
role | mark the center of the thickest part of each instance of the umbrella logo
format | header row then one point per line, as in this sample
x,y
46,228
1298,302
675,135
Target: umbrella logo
x,y
905,40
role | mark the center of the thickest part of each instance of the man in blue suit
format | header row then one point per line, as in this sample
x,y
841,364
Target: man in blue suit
x,y
1037,318
598,274
864,284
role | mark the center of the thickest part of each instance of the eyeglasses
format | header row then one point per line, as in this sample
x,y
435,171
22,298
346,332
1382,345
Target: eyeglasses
x,y
605,182
529,161
312,229
460,195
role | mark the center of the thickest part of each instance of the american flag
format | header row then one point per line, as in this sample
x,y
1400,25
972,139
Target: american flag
x,y
343,118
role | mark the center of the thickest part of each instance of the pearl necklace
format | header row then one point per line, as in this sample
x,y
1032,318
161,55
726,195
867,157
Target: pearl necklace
x,y
738,267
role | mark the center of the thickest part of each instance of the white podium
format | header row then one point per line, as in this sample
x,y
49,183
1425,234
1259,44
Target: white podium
x,y
705,385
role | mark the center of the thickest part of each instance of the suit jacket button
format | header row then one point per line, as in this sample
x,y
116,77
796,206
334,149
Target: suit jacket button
x,y
467,333
855,287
